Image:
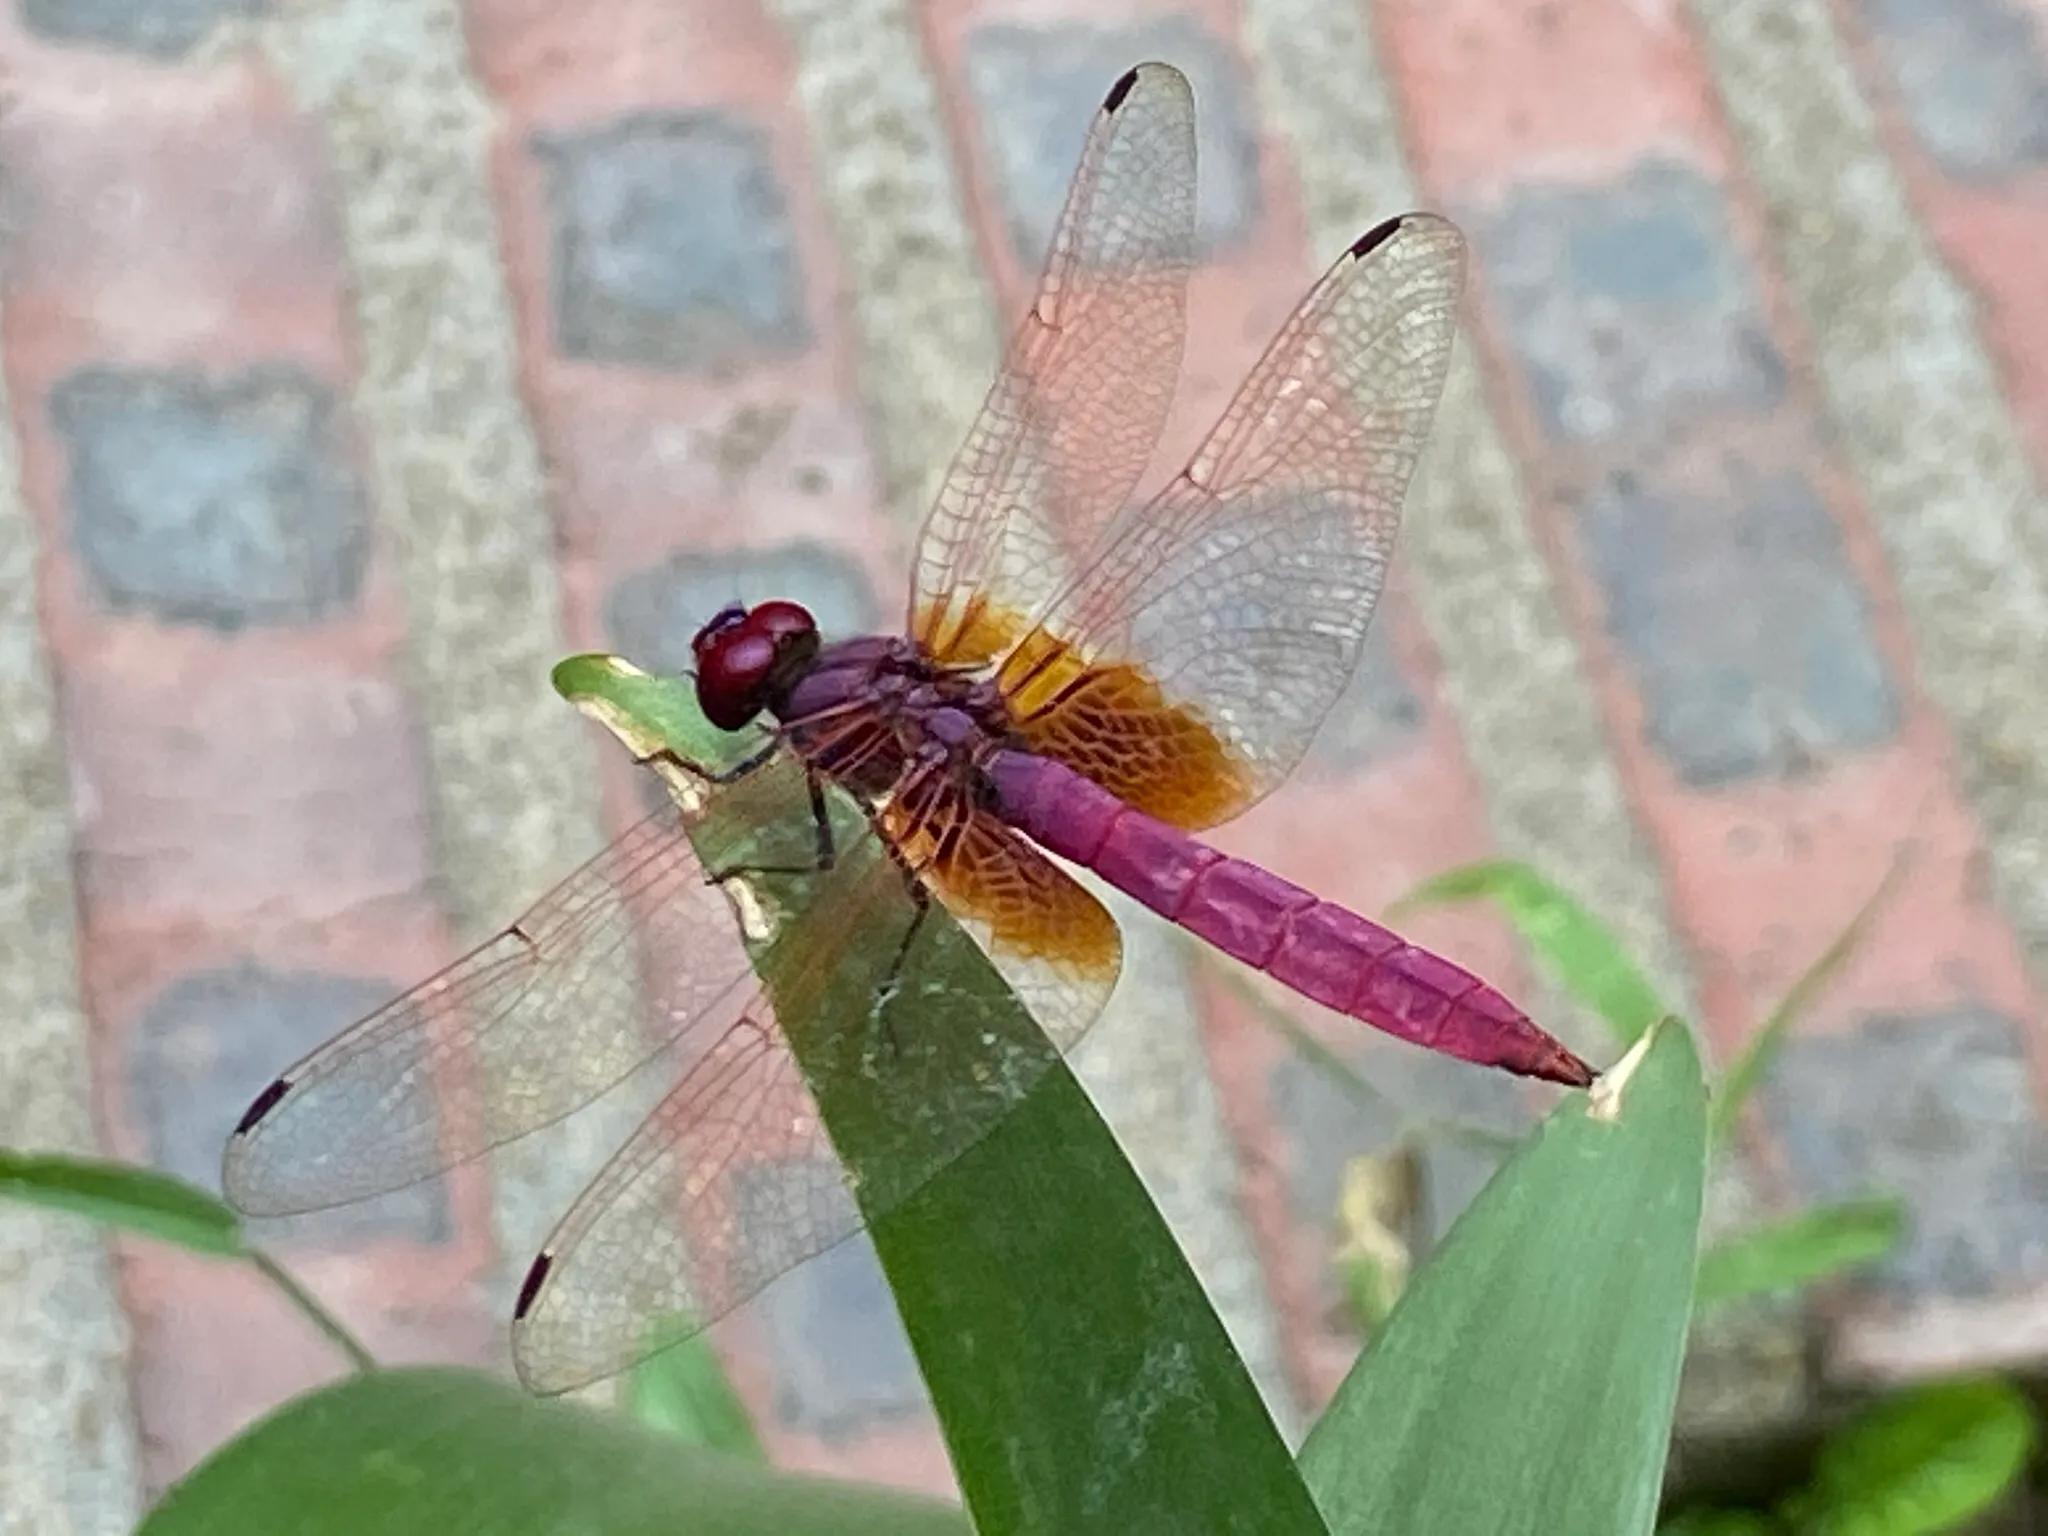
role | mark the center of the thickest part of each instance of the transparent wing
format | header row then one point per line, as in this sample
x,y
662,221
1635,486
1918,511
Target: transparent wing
x,y
894,1032
730,1182
1188,665
625,957
1085,385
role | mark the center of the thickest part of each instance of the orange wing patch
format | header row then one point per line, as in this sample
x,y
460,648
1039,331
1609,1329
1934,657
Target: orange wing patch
x,y
990,877
1109,720
967,634
1112,722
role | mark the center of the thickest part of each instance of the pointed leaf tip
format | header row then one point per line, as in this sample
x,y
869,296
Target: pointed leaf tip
x,y
1605,1096
1570,1277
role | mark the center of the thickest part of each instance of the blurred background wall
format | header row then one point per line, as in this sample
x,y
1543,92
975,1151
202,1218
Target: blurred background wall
x,y
363,356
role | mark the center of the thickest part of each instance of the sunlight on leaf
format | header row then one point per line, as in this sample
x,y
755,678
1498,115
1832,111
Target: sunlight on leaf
x,y
1576,947
130,1199
1808,1247
1918,1463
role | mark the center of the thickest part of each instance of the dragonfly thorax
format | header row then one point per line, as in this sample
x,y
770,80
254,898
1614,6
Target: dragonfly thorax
x,y
869,711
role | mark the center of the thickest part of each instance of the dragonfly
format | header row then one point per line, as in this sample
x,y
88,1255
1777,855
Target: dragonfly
x,y
1083,679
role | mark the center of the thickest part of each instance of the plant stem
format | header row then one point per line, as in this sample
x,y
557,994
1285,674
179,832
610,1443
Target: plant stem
x,y
358,1355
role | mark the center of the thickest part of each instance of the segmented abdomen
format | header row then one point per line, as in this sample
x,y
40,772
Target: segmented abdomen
x,y
1316,947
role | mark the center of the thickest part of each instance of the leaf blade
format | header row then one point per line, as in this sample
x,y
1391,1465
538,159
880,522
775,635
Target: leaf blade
x,y
129,1199
1571,1277
1918,1463
1800,1250
1739,1083
438,1449
684,1391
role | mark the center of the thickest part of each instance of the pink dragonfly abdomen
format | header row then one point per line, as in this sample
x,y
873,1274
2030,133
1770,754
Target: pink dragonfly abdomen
x,y
1314,946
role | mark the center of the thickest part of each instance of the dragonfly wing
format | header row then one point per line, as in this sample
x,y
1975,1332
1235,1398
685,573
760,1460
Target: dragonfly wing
x,y
630,953
1190,663
1085,385
730,1182
1053,943
878,1043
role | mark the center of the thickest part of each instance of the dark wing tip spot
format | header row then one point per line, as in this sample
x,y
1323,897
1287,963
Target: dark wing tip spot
x,y
1376,237
265,1102
1120,90
529,1288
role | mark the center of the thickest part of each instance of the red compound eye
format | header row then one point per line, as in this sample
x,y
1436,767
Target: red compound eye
x,y
781,621
732,677
726,619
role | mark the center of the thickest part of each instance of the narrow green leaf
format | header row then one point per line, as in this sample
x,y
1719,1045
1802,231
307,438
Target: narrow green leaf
x,y
1739,1082
454,1451
1526,1379
130,1199
1576,947
1080,1376
1921,1462
684,1390
1808,1247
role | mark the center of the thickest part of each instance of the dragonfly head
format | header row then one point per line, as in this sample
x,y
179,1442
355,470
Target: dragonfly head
x,y
746,657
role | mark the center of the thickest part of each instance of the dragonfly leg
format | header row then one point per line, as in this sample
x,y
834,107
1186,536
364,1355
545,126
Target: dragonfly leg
x,y
821,823
921,905
729,774
885,994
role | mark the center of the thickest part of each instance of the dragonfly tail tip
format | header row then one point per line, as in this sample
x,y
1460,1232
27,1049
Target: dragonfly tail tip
x,y
1566,1068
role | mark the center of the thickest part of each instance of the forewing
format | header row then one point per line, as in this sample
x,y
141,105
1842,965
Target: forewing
x,y
895,1034
1189,664
629,954
1084,388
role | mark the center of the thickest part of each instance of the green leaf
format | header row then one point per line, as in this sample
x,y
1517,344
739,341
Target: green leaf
x,y
684,1390
1080,1376
453,1451
1576,947
1921,1462
1525,1382
1807,1247
1716,1522
131,1199
1739,1082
